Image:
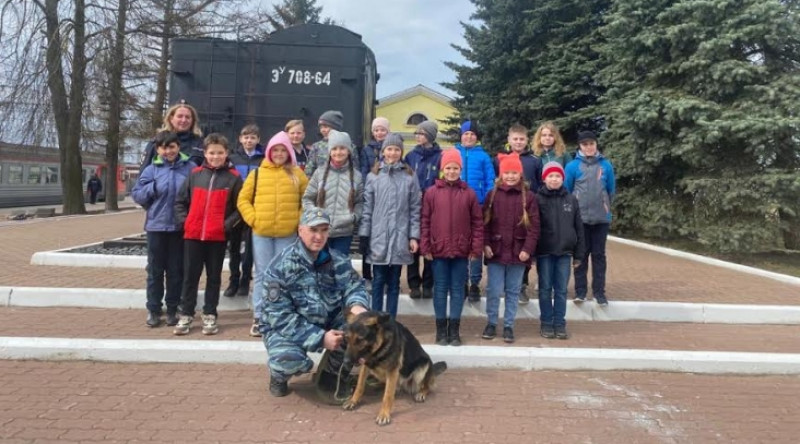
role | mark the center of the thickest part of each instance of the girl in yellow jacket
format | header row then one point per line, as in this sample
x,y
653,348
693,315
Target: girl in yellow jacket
x,y
270,203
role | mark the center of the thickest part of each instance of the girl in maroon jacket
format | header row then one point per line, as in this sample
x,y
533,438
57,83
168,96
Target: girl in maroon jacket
x,y
451,234
206,207
511,230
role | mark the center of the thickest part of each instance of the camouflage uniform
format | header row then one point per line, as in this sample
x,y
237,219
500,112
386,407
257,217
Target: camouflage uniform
x,y
302,300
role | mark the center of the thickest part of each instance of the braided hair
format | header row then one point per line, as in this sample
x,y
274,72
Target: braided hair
x,y
487,214
351,200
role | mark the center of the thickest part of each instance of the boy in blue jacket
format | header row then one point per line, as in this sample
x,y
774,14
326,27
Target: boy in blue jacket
x,y
479,175
156,190
590,178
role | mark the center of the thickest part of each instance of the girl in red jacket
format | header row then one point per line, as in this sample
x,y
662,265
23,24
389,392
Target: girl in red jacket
x,y
451,234
206,207
511,230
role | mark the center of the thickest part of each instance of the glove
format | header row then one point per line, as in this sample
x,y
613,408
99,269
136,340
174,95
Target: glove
x,y
363,245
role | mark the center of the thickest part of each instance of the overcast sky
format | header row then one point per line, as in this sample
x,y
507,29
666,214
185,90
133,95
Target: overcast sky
x,y
410,38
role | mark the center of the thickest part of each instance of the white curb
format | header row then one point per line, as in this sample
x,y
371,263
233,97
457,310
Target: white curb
x,y
524,358
588,311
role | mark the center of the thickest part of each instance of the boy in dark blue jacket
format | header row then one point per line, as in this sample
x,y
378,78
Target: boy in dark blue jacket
x,y
156,191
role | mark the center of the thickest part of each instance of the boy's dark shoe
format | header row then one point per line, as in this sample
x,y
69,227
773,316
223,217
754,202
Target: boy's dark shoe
x,y
474,293
416,293
524,299
153,319
277,388
579,299
547,331
172,318
508,335
231,291
561,332
490,332
427,293
601,301
244,287
331,388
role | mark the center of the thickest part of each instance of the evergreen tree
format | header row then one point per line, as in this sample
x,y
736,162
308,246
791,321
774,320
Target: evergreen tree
x,y
703,119
295,12
530,61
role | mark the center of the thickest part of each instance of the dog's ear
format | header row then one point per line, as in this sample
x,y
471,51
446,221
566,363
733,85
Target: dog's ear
x,y
384,318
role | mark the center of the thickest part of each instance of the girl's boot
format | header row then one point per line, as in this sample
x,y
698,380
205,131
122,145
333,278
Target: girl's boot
x,y
441,332
452,332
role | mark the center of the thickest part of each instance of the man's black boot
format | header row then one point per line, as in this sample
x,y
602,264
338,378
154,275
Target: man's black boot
x,y
278,388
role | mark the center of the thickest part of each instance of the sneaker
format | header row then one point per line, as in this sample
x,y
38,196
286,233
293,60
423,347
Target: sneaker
x,y
277,388
601,301
489,332
427,293
561,332
474,293
416,293
524,299
153,319
184,325
508,335
579,299
231,291
547,331
210,326
172,319
254,329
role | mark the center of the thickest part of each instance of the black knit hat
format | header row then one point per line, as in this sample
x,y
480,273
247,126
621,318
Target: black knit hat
x,y
586,135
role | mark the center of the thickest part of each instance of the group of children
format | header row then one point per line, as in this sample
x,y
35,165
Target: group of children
x,y
455,208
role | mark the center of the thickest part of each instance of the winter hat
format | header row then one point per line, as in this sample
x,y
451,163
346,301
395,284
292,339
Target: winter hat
x,y
429,128
509,162
334,119
281,138
469,125
339,138
382,122
451,156
392,139
552,167
586,135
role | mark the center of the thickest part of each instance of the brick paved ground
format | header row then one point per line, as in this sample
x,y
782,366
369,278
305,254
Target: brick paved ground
x,y
89,402
129,324
634,274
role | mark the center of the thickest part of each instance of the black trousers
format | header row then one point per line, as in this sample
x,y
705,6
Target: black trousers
x,y
164,257
595,237
413,276
198,254
237,259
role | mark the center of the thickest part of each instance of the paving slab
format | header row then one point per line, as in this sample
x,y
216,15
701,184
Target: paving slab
x,y
71,402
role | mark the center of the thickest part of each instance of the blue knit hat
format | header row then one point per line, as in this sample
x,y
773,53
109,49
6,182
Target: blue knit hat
x,y
470,125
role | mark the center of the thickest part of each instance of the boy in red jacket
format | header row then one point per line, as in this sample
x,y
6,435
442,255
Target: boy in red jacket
x,y
451,234
206,207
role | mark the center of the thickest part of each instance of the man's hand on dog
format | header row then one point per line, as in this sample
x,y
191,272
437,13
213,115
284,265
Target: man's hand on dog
x,y
333,338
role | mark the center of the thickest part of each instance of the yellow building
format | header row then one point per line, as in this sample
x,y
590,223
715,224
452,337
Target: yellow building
x,y
408,108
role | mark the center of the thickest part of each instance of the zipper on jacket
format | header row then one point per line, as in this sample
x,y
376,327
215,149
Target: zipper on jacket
x,y
208,204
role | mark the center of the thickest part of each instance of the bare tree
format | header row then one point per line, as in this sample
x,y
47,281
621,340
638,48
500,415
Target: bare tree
x,y
115,106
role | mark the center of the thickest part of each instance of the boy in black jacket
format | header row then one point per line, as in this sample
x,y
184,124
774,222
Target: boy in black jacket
x,y
560,243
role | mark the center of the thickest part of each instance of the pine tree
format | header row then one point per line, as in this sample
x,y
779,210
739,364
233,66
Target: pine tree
x,y
295,12
530,61
703,119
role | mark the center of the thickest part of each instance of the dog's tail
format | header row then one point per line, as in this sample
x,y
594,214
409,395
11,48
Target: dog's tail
x,y
439,367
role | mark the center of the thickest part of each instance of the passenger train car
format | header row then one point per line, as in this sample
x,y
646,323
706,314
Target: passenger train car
x,y
30,175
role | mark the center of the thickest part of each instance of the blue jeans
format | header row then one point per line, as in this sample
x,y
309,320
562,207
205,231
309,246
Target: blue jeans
x,y
508,279
264,250
341,244
389,276
553,274
449,275
595,238
476,270
164,257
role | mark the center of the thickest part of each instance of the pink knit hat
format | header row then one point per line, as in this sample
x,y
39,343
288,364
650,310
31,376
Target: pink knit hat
x,y
281,138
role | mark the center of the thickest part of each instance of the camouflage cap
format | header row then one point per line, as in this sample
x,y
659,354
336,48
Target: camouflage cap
x,y
314,216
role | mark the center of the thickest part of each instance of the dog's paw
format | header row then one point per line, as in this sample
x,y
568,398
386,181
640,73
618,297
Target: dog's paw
x,y
383,419
420,397
350,404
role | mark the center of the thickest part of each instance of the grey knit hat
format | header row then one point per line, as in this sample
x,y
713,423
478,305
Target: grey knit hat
x,y
430,129
339,138
392,139
334,119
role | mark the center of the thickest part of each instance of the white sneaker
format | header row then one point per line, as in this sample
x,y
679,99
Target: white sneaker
x,y
210,324
184,325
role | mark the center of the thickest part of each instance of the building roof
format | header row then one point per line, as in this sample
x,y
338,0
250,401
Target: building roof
x,y
414,91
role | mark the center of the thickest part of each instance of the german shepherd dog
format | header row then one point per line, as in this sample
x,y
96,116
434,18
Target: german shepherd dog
x,y
387,350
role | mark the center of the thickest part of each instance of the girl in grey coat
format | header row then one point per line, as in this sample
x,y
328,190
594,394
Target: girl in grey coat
x,y
389,227
337,188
